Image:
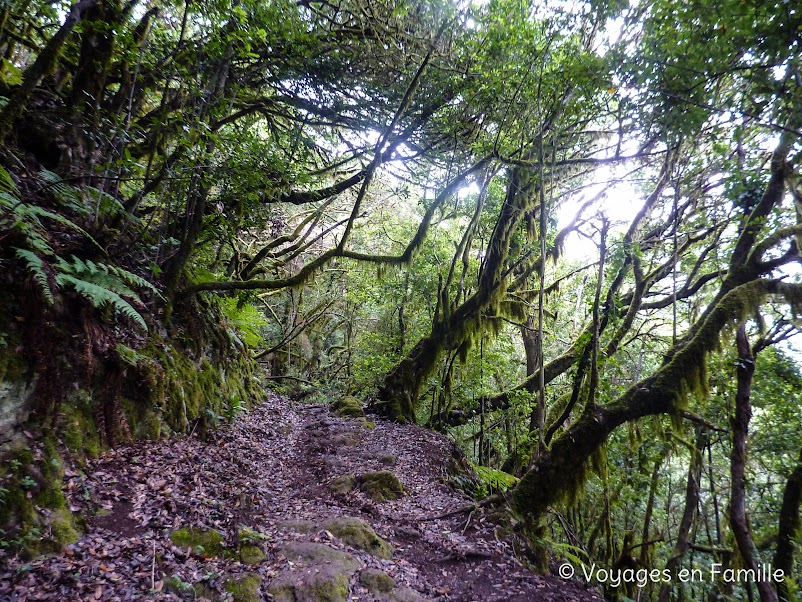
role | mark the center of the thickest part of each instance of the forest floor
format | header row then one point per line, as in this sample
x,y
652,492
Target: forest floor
x,y
270,472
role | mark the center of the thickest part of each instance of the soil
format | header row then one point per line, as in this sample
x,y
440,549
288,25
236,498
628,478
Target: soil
x,y
269,473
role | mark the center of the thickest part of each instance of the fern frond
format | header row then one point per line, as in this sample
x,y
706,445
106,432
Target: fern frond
x,y
65,194
7,183
128,355
107,205
36,266
101,297
132,279
110,276
34,238
39,211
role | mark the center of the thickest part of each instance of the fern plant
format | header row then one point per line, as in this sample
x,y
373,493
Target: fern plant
x,y
102,285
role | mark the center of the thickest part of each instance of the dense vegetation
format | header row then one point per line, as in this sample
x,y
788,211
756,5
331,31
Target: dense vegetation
x,y
566,234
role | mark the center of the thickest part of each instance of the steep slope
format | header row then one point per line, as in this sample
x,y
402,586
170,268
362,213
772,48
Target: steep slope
x,y
251,514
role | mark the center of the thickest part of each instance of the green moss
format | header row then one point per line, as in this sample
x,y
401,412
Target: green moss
x,y
13,366
204,542
144,421
376,581
325,583
348,407
33,510
62,528
344,484
359,534
78,430
251,554
381,486
189,394
245,589
368,424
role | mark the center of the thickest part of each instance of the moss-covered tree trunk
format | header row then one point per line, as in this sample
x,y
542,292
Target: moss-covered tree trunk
x,y
740,430
688,514
455,328
558,473
788,530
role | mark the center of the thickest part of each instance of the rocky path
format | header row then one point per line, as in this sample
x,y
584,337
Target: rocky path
x,y
252,515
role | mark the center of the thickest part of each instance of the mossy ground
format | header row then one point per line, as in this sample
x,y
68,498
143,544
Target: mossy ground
x,y
344,484
376,581
381,486
34,516
246,588
348,407
211,544
359,534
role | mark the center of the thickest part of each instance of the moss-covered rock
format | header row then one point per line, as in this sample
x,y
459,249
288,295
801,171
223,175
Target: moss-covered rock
x,y
376,581
348,407
34,516
204,542
381,486
316,553
359,534
365,423
322,575
325,583
251,554
349,439
246,588
344,484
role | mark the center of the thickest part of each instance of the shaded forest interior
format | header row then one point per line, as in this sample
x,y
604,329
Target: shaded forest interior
x,y
565,235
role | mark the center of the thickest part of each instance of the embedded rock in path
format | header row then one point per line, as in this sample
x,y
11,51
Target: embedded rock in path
x,y
344,484
348,407
321,574
381,486
376,581
246,588
359,534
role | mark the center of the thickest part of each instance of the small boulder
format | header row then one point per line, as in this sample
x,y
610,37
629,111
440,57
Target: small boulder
x,y
388,459
344,484
324,583
204,542
359,534
251,554
348,407
376,581
381,486
322,576
310,553
245,589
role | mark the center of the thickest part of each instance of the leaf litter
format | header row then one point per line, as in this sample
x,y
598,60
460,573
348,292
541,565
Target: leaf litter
x,y
266,478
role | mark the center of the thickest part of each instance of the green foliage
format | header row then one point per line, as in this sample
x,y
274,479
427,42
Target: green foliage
x,y
103,286
247,320
494,480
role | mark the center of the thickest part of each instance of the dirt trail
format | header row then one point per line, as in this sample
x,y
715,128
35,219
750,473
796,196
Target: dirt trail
x,y
269,472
